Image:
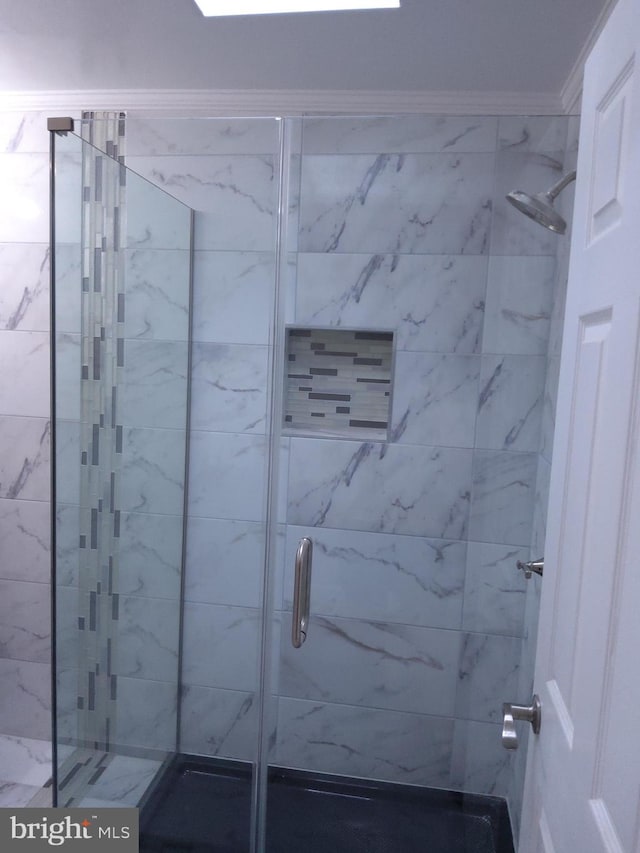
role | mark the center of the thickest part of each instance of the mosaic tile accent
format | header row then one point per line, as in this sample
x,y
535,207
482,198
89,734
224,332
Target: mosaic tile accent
x,y
103,313
339,381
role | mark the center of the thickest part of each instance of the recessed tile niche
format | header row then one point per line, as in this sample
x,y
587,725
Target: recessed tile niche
x,y
338,382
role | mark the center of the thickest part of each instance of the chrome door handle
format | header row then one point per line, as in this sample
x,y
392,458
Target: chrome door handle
x,y
302,592
512,712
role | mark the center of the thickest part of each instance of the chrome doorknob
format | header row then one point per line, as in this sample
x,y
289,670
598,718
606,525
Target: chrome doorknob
x,y
512,712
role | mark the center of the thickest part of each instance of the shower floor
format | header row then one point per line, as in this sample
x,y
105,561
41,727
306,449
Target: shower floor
x,y
203,806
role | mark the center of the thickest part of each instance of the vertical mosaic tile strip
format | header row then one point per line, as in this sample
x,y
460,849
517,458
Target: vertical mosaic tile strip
x,y
82,768
104,186
338,381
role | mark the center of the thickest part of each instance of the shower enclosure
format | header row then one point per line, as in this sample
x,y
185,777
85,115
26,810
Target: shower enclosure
x,y
268,331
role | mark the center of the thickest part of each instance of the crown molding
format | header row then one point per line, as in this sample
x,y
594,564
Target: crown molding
x,y
285,102
571,92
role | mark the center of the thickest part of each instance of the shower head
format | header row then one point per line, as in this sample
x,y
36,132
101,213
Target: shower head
x,y
539,207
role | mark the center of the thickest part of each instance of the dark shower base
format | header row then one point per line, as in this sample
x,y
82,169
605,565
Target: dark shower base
x,y
203,806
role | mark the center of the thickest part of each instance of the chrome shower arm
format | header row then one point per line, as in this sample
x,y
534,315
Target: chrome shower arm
x,y
557,188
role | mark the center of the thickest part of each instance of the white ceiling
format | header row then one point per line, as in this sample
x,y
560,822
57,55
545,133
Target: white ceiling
x,y
520,46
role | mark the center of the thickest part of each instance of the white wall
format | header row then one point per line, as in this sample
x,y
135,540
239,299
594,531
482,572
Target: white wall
x,y
88,44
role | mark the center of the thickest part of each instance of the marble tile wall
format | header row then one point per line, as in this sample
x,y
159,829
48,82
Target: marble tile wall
x,y
399,223
24,428
26,767
418,612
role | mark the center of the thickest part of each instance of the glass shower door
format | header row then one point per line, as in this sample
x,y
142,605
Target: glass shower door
x,y
121,319
416,311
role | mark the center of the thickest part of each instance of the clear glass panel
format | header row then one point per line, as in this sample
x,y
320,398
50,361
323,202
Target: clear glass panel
x,y
122,306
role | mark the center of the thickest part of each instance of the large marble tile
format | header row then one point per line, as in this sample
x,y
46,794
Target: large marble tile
x,y
224,285
125,780
155,219
413,203
435,399
24,132
538,134
503,495
148,638
372,664
153,466
150,555
156,299
224,562
229,387
153,387
510,402
24,385
14,795
146,714
25,698
24,458
380,488
419,134
24,209
494,591
221,646
432,303
385,745
234,196
513,233
25,760
25,540
189,136
519,302
383,577
227,476
25,624
487,676
480,764
217,722
24,299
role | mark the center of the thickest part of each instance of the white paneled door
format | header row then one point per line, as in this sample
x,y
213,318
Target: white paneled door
x,y
583,783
